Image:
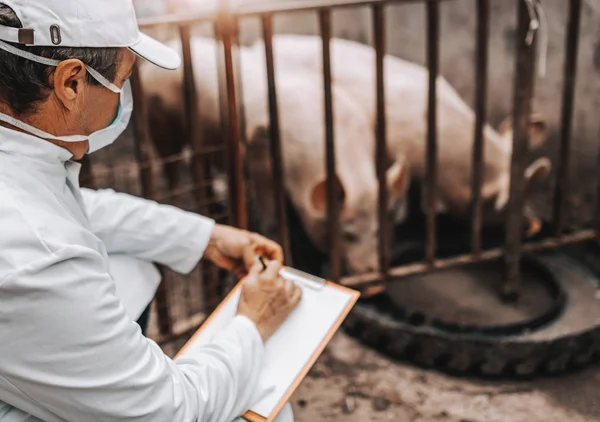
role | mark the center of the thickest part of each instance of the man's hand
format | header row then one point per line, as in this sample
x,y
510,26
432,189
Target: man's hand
x,y
267,299
236,250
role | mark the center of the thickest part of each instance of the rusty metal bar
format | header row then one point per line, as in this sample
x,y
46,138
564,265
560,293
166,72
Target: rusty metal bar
x,y
523,95
250,184
568,95
596,219
381,139
281,6
227,29
275,145
365,281
431,158
332,186
481,69
143,148
200,163
193,133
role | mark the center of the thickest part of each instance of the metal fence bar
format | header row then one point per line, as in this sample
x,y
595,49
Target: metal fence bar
x,y
332,186
523,95
381,139
200,163
365,281
481,69
568,95
433,42
227,30
596,219
275,145
143,148
200,170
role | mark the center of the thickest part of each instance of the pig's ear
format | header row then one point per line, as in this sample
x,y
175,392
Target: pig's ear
x,y
538,131
318,197
538,170
398,179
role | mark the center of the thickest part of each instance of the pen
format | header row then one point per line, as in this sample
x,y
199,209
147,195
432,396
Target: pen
x,y
262,261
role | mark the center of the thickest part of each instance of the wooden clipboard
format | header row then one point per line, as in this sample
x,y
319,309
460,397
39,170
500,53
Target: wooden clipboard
x,y
250,415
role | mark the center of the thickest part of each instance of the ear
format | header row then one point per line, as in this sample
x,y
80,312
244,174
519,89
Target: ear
x,y
538,170
318,197
398,179
538,131
68,81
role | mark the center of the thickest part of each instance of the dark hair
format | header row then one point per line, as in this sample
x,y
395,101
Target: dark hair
x,y
24,83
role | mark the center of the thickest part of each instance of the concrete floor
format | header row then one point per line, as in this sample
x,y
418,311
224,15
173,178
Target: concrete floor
x,y
353,383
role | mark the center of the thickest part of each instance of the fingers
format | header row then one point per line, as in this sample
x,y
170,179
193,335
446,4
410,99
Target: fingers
x,y
289,287
267,247
272,271
256,269
296,296
253,275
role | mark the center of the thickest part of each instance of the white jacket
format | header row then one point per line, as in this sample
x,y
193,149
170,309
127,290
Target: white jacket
x,y
68,349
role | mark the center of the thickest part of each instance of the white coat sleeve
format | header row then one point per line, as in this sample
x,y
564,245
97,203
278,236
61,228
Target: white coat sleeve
x,y
79,357
147,230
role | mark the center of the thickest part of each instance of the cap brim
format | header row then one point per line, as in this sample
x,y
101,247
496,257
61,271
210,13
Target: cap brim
x,y
156,53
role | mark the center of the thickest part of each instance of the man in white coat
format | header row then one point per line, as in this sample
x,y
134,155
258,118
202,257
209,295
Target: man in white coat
x,y
69,349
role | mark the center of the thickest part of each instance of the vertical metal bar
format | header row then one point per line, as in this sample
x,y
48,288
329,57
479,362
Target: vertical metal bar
x,y
143,146
433,41
381,139
237,184
276,147
597,214
570,72
481,68
523,95
200,164
250,184
193,132
332,185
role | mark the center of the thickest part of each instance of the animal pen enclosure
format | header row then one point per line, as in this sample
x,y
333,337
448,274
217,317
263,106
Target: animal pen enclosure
x,y
232,205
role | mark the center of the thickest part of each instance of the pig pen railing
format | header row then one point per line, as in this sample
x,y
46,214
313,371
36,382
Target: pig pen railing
x,y
225,23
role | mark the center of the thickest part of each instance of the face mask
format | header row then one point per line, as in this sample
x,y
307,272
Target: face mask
x,y
97,140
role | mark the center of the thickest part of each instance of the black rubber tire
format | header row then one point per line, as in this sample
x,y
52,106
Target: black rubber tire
x,y
571,341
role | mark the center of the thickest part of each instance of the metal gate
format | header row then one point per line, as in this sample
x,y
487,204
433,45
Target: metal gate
x,y
226,30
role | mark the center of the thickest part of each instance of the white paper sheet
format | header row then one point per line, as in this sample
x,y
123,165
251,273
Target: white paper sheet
x,y
292,346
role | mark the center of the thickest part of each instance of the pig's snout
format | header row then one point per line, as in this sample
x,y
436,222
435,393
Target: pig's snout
x,y
356,268
359,263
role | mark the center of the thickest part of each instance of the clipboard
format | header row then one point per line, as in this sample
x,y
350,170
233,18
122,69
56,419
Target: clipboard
x,y
333,300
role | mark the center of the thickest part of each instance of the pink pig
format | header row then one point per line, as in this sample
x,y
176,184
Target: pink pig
x,y
353,69
302,126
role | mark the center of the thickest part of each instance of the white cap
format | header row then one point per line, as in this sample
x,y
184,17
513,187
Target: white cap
x,y
85,23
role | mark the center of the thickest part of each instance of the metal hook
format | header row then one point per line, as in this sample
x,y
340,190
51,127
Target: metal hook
x,y
538,21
